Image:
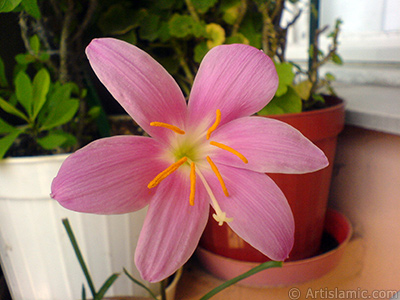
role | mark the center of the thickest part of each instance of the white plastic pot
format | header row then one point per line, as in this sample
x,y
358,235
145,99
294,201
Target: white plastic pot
x,y
36,255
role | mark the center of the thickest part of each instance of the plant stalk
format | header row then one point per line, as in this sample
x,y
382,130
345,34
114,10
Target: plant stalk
x,y
261,267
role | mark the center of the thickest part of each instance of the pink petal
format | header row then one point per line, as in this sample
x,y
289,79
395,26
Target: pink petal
x,y
109,176
139,83
271,146
172,228
237,79
260,212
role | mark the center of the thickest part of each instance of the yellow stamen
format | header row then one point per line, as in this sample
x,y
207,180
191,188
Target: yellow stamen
x,y
231,150
215,125
192,183
168,171
169,126
221,181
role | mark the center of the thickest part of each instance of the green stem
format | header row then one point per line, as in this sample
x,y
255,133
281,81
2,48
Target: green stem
x,y
140,284
183,64
79,256
239,19
192,10
268,38
64,36
261,267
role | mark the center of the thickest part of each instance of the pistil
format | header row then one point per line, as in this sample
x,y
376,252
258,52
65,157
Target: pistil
x,y
219,216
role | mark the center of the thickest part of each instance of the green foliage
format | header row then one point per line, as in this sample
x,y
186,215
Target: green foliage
x,y
30,6
181,26
97,295
43,106
38,105
3,78
289,102
286,76
8,5
179,33
202,6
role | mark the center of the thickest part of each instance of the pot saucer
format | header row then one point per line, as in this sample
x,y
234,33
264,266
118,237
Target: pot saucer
x,y
293,272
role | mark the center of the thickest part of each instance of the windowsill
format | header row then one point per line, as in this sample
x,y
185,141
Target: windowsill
x,y
371,107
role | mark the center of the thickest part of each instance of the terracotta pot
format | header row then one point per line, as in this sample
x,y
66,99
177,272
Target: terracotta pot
x,y
338,231
307,194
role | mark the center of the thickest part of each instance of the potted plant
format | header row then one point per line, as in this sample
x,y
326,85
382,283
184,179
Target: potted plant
x,y
179,33
320,117
48,109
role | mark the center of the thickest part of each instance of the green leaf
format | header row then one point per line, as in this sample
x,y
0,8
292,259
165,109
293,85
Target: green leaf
x,y
119,20
337,59
51,141
32,8
129,37
303,89
330,77
200,50
289,102
83,292
40,88
318,97
60,108
203,6
24,59
228,283
23,90
61,114
104,288
7,141
163,32
286,76
215,35
34,42
140,284
70,140
149,27
237,39
249,28
5,127
79,256
8,5
181,26
94,112
8,108
3,78
230,11
44,56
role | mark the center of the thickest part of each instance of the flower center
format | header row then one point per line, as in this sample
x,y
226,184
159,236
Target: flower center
x,y
187,154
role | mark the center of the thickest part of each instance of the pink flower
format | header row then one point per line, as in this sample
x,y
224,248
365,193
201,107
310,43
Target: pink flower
x,y
207,152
